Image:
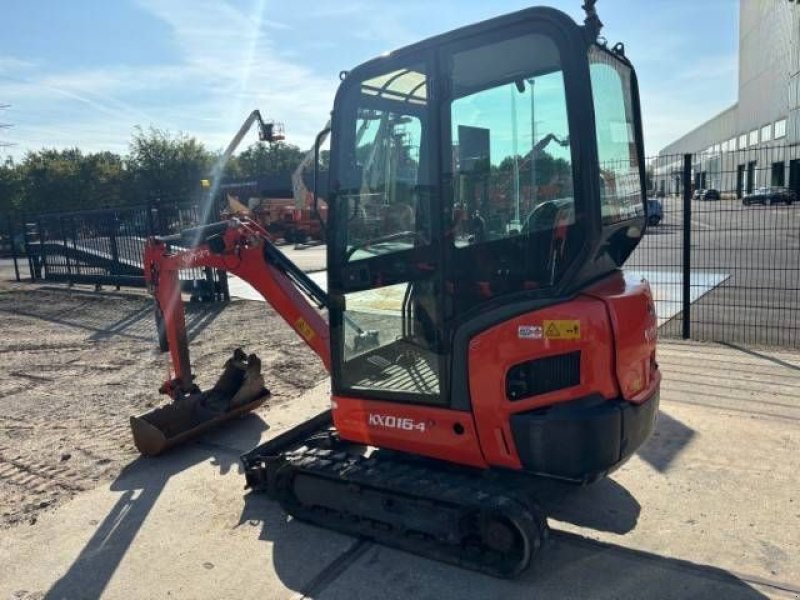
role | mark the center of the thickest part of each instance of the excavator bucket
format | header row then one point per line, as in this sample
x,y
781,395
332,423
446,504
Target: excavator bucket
x,y
239,390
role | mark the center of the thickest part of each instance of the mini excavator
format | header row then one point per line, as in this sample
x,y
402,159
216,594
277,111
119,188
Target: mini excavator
x,y
485,188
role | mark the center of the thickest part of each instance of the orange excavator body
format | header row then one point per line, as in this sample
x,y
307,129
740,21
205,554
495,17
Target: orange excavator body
x,y
478,336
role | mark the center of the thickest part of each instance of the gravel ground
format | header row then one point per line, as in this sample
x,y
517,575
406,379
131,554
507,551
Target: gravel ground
x,y
75,364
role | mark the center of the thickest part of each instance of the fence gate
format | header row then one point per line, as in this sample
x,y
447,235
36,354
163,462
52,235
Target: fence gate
x,y
105,247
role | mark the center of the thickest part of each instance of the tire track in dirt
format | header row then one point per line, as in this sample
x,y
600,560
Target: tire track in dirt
x,y
72,372
38,477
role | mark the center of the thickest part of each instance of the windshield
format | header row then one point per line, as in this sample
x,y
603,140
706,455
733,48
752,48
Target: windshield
x,y
511,146
513,207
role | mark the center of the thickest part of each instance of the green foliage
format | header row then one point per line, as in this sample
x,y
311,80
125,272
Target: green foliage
x,y
9,187
167,167
263,159
160,167
548,171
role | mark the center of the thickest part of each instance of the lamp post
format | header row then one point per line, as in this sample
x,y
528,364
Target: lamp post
x,y
531,82
515,223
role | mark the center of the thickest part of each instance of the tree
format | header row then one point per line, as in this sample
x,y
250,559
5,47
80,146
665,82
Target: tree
x,y
51,180
167,167
57,180
105,178
265,159
9,187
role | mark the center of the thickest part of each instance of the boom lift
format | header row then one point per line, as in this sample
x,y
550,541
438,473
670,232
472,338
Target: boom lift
x,y
468,355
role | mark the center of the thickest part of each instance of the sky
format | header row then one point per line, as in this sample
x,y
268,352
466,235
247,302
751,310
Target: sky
x,y
85,73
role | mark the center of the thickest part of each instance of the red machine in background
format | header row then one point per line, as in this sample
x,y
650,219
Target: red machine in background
x,y
476,343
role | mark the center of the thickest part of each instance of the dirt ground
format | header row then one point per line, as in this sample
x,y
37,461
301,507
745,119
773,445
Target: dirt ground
x,y
75,364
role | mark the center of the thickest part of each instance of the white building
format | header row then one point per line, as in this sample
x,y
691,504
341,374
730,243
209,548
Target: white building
x,y
754,142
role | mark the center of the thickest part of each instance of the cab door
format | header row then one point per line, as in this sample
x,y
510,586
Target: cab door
x,y
383,264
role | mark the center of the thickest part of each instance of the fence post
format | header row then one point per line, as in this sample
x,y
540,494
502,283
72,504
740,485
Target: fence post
x,y
151,226
42,252
13,245
687,246
74,232
66,250
26,243
112,239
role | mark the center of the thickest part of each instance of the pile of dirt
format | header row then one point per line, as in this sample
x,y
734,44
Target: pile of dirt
x,y
75,364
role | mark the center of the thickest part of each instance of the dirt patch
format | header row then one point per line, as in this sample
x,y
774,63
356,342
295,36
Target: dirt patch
x,y
75,364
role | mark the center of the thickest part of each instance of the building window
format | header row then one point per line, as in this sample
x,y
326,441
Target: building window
x,y
716,148
751,176
753,140
732,144
780,129
724,146
740,181
778,174
743,141
766,133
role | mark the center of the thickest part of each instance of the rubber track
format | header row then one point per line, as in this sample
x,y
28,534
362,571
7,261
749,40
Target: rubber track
x,y
436,489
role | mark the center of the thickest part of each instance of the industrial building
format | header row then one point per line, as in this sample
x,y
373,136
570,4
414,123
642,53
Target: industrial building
x,y
754,142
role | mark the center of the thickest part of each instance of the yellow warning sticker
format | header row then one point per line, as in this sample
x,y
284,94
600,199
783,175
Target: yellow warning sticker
x,y
569,329
304,329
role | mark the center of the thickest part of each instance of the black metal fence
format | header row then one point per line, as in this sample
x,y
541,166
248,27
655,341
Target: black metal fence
x,y
724,261
11,241
724,265
105,246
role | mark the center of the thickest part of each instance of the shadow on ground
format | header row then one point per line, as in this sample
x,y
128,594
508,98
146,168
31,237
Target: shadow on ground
x,y
141,483
133,320
670,438
570,566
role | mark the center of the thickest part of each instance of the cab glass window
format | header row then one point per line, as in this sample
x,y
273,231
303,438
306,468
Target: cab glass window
x,y
620,178
385,180
510,136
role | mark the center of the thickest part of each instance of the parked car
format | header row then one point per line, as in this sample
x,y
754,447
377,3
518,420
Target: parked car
x,y
698,194
710,195
655,212
771,195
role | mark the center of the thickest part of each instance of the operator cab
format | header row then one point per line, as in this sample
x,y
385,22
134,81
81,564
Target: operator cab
x,y
474,176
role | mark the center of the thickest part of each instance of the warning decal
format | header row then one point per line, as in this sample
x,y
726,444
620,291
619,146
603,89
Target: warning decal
x,y
304,329
562,329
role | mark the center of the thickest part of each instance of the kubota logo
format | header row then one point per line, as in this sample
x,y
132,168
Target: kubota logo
x,y
392,422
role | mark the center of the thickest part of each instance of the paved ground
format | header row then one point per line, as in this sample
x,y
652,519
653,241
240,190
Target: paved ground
x,y
7,272
709,508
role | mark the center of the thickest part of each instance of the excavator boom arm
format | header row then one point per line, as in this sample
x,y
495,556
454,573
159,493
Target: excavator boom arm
x,y
242,248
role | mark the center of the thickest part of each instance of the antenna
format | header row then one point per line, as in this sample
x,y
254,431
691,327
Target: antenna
x,y
592,23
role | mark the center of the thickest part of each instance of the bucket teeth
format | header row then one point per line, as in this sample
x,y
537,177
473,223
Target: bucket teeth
x,y
241,382
253,385
239,389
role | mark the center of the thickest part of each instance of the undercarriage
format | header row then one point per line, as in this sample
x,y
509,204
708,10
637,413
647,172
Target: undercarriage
x,y
462,516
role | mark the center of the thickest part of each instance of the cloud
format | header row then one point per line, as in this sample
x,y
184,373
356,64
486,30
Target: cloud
x,y
231,58
12,64
228,66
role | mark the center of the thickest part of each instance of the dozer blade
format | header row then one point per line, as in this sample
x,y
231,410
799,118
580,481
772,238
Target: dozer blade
x,y
239,390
